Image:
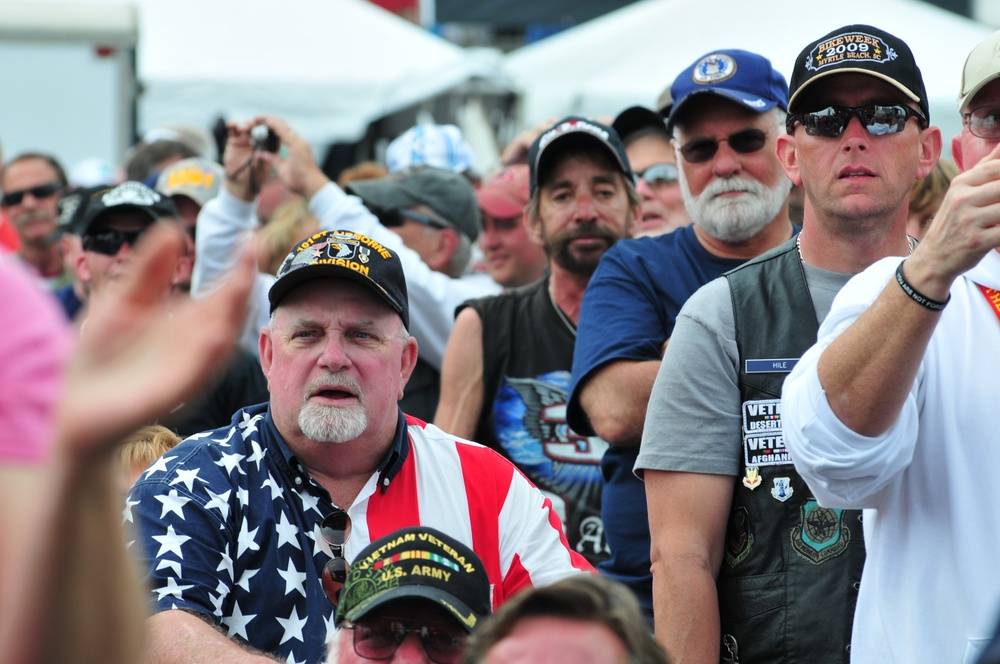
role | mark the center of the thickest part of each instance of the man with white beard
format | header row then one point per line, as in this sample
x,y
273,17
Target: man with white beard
x,y
727,117
747,566
248,530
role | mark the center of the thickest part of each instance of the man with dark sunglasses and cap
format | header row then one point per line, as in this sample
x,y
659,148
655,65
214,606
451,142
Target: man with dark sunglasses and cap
x,y
728,112
651,154
412,596
892,411
747,564
243,527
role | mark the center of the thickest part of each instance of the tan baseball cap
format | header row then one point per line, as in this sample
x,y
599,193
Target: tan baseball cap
x,y
981,67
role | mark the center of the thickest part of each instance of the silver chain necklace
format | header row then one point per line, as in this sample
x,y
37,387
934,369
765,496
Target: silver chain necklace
x,y
912,242
559,312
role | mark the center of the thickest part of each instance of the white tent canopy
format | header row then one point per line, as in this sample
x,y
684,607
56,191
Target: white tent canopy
x,y
330,67
629,57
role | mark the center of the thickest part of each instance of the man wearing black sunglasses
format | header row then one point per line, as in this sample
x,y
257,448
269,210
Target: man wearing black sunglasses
x,y
31,186
728,112
765,573
894,410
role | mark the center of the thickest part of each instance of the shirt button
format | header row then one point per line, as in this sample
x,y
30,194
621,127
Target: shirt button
x,y
298,481
385,482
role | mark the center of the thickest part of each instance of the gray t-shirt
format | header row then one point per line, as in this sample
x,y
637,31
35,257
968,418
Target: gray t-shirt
x,y
693,421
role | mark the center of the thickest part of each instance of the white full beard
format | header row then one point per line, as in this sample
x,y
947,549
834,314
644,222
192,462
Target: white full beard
x,y
735,219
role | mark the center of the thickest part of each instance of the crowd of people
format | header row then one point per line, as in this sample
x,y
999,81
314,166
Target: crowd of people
x,y
705,382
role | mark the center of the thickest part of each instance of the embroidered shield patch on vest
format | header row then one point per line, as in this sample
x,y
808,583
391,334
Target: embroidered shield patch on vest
x,y
821,534
739,538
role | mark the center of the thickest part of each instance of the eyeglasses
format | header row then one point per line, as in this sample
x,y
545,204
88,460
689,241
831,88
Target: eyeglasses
x,y
396,218
983,122
336,530
701,150
877,119
41,191
380,639
110,243
658,175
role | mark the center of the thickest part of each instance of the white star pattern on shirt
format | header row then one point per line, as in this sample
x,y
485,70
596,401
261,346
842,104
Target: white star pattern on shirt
x,y
219,501
187,477
171,542
224,442
287,532
249,424
244,581
226,564
293,626
237,623
258,453
173,565
291,660
158,466
216,601
171,589
309,502
331,626
243,496
276,491
318,548
127,512
173,502
294,579
245,542
230,461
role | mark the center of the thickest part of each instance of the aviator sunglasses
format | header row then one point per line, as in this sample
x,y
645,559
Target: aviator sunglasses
x,y
658,175
336,530
701,150
983,122
877,119
41,191
110,242
381,638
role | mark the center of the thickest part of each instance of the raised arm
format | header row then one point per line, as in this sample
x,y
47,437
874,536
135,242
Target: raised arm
x,y
461,401
868,370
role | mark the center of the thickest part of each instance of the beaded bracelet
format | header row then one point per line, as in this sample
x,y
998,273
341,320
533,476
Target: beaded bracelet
x,y
916,296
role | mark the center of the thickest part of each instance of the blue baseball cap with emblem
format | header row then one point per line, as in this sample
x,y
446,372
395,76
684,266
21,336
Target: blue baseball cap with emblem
x,y
740,76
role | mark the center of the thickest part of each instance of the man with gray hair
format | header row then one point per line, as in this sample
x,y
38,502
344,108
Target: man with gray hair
x,y
728,114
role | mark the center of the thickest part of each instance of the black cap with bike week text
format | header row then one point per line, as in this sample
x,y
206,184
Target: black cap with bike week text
x,y
417,562
575,126
344,255
859,49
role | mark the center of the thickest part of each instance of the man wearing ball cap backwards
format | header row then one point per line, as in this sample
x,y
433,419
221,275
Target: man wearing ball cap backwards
x,y
411,596
264,514
746,560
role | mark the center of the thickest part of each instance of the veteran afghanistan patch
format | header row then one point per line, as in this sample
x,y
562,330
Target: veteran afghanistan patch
x,y
763,443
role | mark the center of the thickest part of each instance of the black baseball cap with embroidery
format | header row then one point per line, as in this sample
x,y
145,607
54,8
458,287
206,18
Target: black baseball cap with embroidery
x,y
344,255
127,195
417,562
576,127
859,49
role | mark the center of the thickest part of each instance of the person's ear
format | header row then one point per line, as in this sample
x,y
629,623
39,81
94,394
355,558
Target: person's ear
x,y
788,158
445,243
408,363
929,151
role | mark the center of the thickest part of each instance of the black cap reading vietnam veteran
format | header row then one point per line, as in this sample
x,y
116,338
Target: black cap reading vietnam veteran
x,y
859,49
417,562
575,126
344,255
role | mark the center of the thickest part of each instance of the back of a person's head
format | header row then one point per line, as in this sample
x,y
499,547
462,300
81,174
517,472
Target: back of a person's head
x,y
146,160
141,448
583,597
929,192
366,170
291,223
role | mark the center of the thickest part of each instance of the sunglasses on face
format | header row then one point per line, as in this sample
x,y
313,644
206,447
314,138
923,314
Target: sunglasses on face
x,y
110,243
658,175
877,119
983,122
381,638
701,150
396,218
41,191
336,530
